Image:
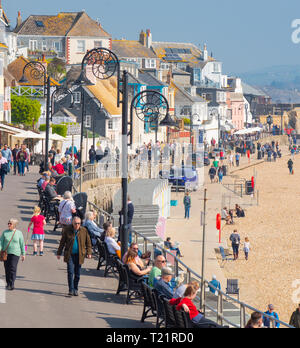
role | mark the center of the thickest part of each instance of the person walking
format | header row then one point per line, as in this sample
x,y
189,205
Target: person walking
x,y
237,159
4,170
14,156
12,244
187,205
76,244
22,158
235,240
290,166
220,175
272,313
38,235
6,153
295,318
246,248
92,155
212,173
66,210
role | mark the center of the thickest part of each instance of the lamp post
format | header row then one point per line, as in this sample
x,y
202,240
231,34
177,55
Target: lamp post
x,y
215,113
38,72
149,106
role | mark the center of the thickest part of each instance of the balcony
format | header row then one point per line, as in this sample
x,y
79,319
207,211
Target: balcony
x,y
38,53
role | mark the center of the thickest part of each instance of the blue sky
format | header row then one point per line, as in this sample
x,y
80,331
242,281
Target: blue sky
x,y
245,35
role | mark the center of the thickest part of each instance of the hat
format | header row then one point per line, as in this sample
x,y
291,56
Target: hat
x,y
166,271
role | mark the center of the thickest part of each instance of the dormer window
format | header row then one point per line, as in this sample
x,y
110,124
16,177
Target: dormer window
x,y
39,24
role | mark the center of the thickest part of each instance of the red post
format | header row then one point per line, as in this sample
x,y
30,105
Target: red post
x,y
218,225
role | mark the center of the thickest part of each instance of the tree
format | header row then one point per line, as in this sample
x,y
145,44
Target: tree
x,y
57,69
25,111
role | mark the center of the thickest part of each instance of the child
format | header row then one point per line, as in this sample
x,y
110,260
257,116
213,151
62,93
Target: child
x,y
246,248
38,233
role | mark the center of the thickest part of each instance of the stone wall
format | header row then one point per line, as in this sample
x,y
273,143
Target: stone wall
x,y
101,192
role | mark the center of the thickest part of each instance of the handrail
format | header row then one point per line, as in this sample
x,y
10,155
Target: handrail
x,y
221,295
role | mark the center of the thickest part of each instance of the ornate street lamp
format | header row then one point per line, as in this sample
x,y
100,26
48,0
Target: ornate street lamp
x,y
38,72
150,106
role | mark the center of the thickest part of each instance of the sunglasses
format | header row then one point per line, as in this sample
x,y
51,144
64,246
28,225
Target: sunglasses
x,y
9,223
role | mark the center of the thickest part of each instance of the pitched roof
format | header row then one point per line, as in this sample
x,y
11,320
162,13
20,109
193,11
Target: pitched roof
x,y
16,70
182,96
149,79
187,52
63,24
106,92
247,89
131,49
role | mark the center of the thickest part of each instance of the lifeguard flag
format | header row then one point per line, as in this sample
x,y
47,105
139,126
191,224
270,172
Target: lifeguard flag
x,y
252,182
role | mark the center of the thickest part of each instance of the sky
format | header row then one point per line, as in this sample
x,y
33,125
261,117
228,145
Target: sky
x,y
244,35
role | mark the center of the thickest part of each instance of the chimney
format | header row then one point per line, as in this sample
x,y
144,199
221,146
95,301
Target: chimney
x,y
205,53
143,38
149,38
19,19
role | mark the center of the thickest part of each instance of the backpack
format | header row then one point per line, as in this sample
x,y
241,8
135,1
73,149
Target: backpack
x,y
4,168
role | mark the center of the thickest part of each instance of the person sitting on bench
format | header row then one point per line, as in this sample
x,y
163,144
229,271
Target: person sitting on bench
x,y
239,211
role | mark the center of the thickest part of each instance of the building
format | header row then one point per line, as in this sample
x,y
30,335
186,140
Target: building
x,y
67,35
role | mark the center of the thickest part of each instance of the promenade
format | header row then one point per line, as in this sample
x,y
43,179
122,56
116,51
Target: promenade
x,y
40,299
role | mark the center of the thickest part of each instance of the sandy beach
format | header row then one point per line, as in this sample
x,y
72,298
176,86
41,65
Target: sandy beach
x,y
273,230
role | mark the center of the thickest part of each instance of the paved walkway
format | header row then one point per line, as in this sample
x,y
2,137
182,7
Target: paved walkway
x,y
40,298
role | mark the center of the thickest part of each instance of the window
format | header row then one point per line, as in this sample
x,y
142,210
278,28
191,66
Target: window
x,y
150,64
216,67
80,46
77,97
88,121
164,66
33,45
57,46
39,24
110,125
98,44
44,45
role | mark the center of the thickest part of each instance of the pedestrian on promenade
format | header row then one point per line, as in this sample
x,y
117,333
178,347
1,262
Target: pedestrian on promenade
x,y
237,159
255,322
290,166
169,245
295,318
272,313
6,153
246,248
22,158
130,214
76,244
235,240
187,205
216,163
38,234
212,173
14,156
12,242
220,175
3,169
92,155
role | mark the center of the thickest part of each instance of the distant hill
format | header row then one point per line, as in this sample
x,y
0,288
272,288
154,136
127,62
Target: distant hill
x,y
282,83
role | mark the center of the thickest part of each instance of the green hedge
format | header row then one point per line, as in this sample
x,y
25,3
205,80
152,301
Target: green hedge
x,y
60,129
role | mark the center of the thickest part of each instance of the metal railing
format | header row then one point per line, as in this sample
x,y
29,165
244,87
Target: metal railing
x,y
190,275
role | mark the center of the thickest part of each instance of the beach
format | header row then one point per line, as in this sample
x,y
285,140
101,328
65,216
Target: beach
x,y
272,227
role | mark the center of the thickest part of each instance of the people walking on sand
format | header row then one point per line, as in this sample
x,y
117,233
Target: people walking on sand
x,y
187,205
38,234
76,244
12,243
212,173
290,166
295,318
237,159
271,312
246,248
235,240
220,175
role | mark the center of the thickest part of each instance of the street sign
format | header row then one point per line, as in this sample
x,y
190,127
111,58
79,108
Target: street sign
x,y
74,129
